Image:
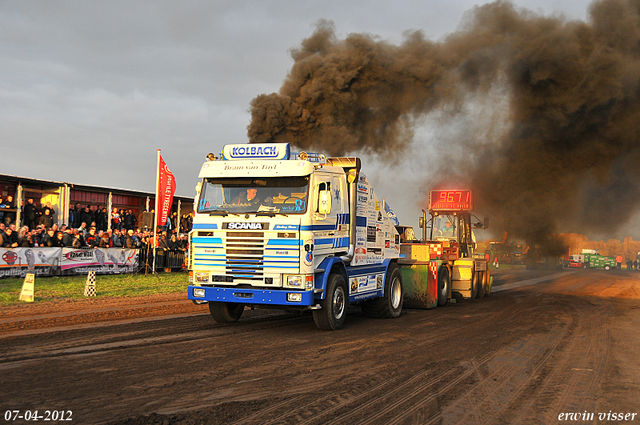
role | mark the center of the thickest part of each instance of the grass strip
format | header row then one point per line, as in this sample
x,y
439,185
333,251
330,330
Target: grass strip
x,y
54,288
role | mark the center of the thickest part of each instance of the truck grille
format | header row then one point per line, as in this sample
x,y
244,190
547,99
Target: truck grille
x,y
245,255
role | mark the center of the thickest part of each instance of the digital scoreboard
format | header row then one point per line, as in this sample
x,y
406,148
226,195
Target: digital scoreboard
x,y
450,200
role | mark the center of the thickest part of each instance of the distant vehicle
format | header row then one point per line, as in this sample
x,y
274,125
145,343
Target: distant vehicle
x,y
593,260
576,261
507,253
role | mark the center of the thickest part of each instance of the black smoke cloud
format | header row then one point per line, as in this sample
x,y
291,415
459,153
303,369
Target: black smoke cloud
x,y
568,155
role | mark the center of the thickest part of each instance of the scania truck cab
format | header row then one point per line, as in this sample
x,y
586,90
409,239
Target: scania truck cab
x,y
292,231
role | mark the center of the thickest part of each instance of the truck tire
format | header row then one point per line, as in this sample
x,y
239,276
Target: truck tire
x,y
334,306
607,267
480,284
444,283
225,312
390,305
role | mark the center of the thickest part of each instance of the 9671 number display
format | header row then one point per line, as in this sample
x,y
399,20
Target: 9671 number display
x,y
450,200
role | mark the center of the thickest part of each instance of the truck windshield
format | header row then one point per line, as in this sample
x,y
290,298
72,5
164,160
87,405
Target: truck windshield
x,y
270,195
444,227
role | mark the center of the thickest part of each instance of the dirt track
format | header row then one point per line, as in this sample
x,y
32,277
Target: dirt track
x,y
533,350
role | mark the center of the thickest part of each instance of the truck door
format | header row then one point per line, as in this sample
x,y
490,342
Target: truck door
x,y
327,195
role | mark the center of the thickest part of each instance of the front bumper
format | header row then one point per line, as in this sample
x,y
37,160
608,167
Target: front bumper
x,y
252,296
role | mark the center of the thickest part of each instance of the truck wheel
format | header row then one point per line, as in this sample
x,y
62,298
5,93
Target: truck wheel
x,y
225,312
444,283
607,267
480,285
334,306
390,305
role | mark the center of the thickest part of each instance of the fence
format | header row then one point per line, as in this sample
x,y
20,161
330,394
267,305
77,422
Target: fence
x,y
173,260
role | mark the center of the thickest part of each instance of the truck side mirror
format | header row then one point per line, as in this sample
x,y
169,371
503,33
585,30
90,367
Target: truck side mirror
x,y
324,202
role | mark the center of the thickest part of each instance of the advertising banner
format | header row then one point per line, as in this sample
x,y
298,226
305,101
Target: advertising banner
x,y
100,260
17,262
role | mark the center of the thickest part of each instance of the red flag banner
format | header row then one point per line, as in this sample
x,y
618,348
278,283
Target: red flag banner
x,y
166,189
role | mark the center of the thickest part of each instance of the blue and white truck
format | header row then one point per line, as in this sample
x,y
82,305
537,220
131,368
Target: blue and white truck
x,y
294,231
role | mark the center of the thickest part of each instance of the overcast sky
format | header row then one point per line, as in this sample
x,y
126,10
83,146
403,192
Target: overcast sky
x,y
90,90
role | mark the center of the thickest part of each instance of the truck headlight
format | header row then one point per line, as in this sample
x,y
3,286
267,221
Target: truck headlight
x,y
299,281
198,292
295,281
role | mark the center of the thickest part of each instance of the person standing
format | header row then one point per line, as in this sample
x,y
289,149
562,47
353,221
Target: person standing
x,y
72,217
46,218
85,216
9,216
49,208
92,238
116,239
619,261
30,213
116,220
104,241
49,239
58,240
7,239
102,218
174,221
2,207
130,220
67,238
24,238
130,241
77,240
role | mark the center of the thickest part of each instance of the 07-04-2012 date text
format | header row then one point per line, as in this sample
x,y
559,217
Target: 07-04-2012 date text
x,y
38,415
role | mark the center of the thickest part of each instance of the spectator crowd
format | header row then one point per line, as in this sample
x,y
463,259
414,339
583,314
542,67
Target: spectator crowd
x,y
88,228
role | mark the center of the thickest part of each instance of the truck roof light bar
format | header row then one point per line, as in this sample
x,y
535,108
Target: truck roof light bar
x,y
311,156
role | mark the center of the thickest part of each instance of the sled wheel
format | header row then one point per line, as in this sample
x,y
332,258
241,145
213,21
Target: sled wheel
x,y
474,286
444,283
487,283
480,284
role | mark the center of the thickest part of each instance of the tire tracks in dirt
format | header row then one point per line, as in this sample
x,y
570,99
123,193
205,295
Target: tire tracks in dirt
x,y
122,340
484,389
400,393
578,370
